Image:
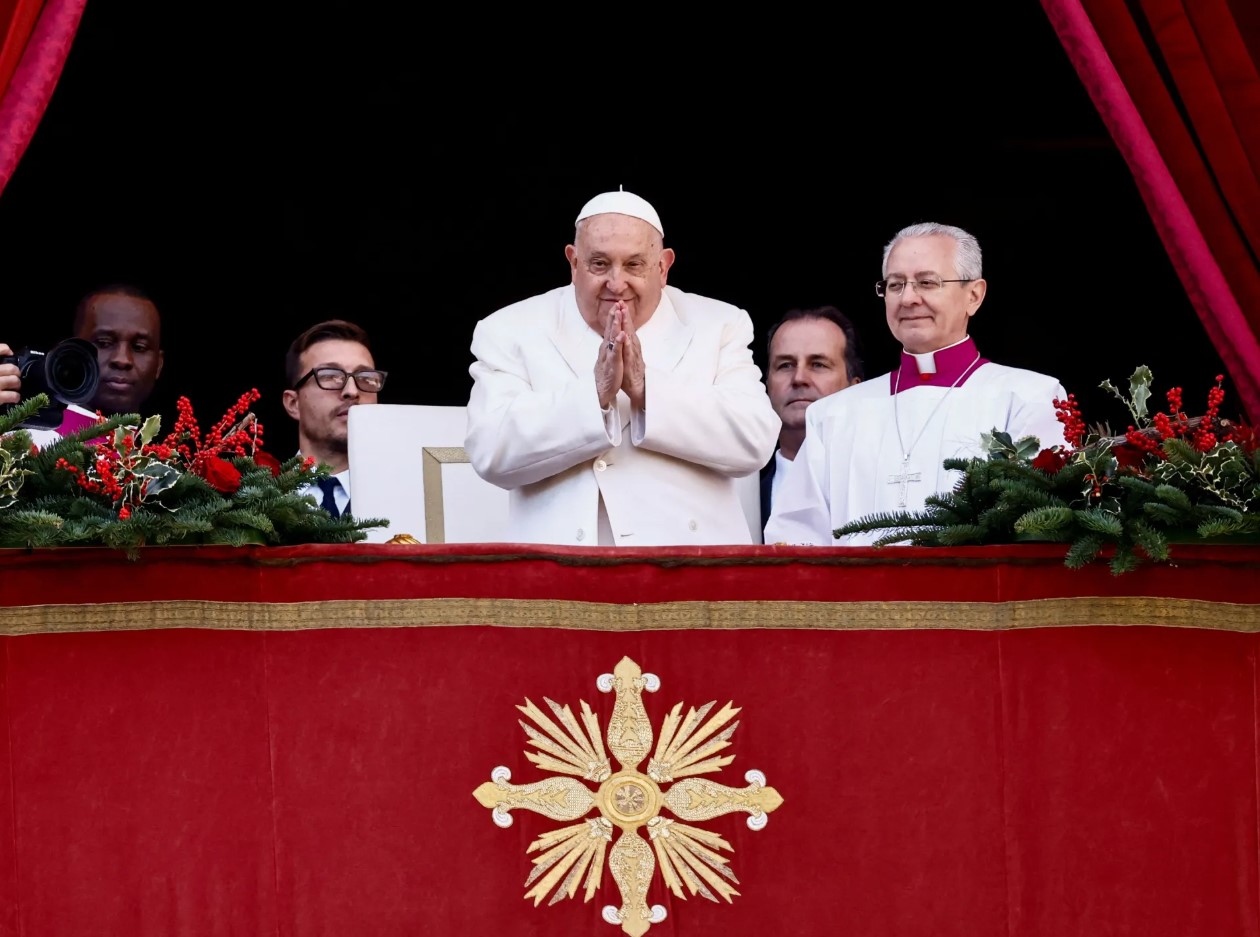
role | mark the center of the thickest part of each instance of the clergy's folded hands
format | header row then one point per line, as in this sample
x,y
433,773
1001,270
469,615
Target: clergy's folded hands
x,y
619,362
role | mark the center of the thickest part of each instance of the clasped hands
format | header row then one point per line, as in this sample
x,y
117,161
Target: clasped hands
x,y
619,364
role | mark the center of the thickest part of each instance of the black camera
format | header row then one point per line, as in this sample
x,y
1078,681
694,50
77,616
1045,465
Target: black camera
x,y
68,373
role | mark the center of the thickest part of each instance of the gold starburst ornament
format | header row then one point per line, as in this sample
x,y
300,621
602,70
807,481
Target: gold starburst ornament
x,y
689,857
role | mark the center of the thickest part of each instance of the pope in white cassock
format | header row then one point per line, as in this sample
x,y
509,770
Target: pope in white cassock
x,y
878,447
618,410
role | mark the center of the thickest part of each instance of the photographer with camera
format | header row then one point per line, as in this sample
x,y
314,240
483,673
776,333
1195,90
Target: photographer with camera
x,y
110,365
118,325
67,374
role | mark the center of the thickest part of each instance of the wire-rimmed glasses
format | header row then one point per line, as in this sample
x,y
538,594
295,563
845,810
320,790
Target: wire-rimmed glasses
x,y
896,285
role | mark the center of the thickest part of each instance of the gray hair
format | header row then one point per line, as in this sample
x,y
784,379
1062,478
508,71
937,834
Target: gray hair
x,y
967,258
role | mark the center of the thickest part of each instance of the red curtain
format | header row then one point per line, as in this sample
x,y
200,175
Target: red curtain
x,y
1178,84
37,36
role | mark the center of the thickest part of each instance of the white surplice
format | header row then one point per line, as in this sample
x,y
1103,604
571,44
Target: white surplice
x,y
851,462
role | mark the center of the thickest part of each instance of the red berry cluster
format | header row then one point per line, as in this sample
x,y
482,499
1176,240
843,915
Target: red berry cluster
x,y
1144,442
117,472
1174,422
1204,439
1068,412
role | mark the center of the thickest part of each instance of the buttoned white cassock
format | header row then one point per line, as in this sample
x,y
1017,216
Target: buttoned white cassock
x,y
665,474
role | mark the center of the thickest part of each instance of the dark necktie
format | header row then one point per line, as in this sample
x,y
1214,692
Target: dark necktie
x,y
329,487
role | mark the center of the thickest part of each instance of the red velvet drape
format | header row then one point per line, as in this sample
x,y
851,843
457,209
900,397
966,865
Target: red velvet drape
x,y
289,743
1178,84
18,17
37,37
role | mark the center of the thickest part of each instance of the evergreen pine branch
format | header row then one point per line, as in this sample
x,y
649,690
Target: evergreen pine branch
x,y
943,510
1048,522
1173,497
879,521
1217,511
1099,522
1124,560
1151,541
1222,527
14,415
958,535
1083,550
251,520
898,536
1165,514
1177,451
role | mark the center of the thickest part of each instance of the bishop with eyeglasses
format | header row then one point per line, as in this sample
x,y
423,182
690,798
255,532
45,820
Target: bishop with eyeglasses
x,y
879,446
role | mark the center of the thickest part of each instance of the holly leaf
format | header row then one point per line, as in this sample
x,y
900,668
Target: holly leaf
x,y
150,429
161,477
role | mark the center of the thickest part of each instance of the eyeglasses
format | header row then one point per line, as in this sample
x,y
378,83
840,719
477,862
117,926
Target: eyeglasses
x,y
896,285
368,381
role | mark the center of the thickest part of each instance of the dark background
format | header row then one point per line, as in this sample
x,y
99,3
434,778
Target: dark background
x,y
259,174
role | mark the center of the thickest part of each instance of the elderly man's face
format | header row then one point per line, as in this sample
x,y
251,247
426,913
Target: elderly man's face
x,y
616,257
928,320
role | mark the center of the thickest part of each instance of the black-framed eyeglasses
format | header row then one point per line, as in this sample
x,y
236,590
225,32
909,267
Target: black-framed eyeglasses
x,y
896,285
368,380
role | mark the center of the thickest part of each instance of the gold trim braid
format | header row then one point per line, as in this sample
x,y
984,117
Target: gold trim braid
x,y
659,616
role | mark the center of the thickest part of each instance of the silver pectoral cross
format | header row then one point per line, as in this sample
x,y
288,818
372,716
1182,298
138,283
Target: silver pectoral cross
x,y
904,480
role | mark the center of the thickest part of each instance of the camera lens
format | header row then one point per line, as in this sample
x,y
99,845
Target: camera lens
x,y
71,371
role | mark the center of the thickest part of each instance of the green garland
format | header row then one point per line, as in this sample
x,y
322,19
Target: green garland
x,y
1180,480
43,503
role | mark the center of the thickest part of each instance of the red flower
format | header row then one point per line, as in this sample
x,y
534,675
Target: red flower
x,y
221,475
267,461
1049,461
1128,456
1246,437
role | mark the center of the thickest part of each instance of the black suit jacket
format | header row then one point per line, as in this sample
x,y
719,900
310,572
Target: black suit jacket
x,y
767,484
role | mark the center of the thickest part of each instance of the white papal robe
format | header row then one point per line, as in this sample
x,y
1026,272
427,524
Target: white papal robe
x,y
664,475
851,463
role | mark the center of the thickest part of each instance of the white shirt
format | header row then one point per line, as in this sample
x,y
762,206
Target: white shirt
x,y
341,494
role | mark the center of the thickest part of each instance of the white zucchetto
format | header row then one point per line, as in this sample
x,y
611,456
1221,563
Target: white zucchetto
x,y
622,202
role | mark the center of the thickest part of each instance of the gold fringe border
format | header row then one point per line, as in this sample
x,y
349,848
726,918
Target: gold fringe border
x,y
659,616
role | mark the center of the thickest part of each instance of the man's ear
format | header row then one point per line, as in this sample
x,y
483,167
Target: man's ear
x,y
666,261
161,361
570,254
290,400
975,295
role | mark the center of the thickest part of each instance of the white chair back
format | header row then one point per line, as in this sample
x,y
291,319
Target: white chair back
x,y
407,464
